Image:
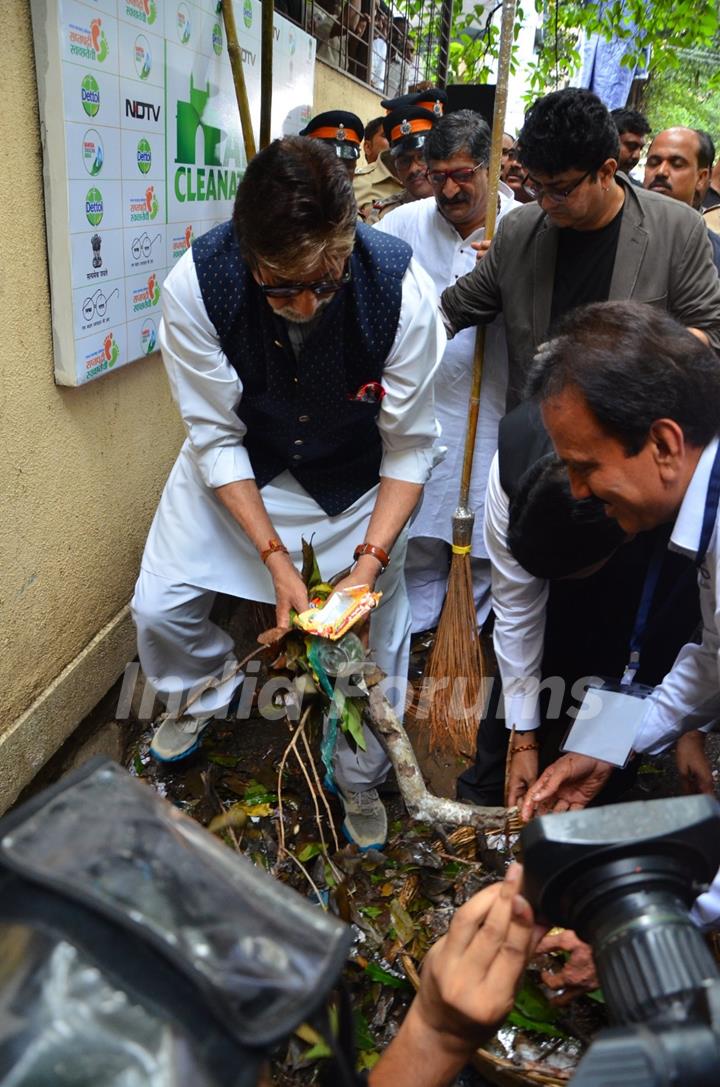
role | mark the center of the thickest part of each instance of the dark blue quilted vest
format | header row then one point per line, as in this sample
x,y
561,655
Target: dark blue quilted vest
x,y
298,412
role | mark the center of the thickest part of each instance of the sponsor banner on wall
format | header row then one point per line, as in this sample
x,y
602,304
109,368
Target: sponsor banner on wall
x,y
142,153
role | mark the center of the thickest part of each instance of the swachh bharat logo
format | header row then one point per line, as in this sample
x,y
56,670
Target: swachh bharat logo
x,y
145,11
144,208
94,207
88,42
146,296
110,349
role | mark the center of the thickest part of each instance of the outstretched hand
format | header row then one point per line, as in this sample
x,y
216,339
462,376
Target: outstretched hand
x,y
567,785
576,975
693,764
468,984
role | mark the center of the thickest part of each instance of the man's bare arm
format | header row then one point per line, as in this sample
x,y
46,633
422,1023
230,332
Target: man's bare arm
x,y
243,501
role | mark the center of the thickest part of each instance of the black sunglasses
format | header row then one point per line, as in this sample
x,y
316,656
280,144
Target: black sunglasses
x,y
320,288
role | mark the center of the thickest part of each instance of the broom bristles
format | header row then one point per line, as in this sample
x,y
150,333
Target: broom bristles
x,y
455,669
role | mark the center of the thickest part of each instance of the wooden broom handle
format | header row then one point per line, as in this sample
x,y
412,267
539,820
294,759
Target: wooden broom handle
x,y
501,91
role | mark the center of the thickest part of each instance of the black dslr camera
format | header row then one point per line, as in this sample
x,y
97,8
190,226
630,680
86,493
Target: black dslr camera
x,y
624,878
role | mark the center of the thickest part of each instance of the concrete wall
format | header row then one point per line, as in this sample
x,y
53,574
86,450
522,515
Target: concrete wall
x,y
335,90
80,469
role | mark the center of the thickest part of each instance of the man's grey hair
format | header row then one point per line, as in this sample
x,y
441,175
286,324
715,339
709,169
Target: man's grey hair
x,y
460,132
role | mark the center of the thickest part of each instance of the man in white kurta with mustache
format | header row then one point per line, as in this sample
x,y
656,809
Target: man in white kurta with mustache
x,y
445,231
300,349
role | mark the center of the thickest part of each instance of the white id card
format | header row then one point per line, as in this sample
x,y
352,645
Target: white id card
x,y
607,721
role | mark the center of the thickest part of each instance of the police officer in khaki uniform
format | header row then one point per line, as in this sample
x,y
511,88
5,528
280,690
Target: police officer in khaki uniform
x,y
407,129
379,181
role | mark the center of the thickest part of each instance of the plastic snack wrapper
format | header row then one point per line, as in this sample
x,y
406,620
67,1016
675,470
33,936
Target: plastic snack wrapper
x,y
341,611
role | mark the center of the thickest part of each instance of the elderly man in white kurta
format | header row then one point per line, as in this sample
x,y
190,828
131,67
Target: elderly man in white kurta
x,y
443,231
300,349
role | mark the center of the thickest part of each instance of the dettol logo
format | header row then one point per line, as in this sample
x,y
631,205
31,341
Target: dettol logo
x,y
94,207
90,95
144,155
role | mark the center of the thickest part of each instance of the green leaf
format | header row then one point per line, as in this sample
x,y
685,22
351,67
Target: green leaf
x,y
256,793
371,911
402,922
318,1052
532,1003
230,761
351,721
310,570
138,765
312,849
522,1021
597,995
376,973
363,1037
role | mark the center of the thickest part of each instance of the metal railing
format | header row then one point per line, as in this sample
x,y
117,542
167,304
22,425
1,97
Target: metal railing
x,y
393,47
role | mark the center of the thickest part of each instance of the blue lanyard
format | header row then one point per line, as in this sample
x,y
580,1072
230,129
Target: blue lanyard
x,y
641,619
712,501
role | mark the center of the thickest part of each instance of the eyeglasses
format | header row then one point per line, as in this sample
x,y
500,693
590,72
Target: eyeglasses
x,y
463,176
558,196
320,288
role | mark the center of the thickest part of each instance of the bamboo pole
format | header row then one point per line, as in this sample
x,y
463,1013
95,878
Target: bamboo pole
x,y
236,66
266,62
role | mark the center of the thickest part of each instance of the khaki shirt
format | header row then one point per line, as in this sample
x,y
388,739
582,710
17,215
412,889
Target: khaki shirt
x,y
376,182
375,212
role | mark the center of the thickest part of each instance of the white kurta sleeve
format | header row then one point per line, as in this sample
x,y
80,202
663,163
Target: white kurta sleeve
x,y
689,696
204,385
406,421
519,601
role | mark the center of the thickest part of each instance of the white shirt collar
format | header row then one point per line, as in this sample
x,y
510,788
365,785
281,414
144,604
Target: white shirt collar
x,y
507,200
688,524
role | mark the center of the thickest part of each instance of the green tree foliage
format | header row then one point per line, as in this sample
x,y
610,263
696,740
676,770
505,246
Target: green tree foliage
x,y
688,97
672,29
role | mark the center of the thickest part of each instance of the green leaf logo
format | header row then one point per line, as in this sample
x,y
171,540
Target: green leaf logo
x,y
94,207
144,155
90,95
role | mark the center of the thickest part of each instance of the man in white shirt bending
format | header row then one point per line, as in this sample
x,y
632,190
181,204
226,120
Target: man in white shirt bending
x,y
631,401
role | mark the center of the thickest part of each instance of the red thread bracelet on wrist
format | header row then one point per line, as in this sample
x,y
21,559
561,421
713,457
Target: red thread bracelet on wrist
x,y
273,546
377,553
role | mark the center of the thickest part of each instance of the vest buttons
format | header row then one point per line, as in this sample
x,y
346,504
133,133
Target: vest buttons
x,y
298,441
297,456
303,418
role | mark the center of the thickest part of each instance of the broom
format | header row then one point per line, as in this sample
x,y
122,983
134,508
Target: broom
x,y
455,668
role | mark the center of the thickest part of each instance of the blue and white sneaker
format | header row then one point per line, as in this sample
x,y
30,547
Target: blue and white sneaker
x,y
178,737
365,823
